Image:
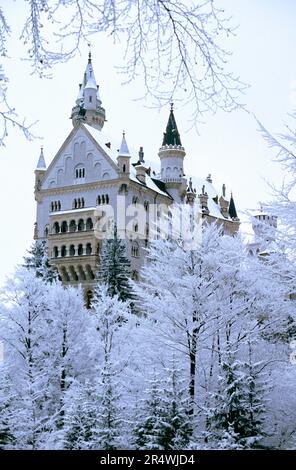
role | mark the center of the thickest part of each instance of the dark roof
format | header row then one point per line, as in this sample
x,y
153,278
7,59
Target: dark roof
x,y
161,186
232,209
171,136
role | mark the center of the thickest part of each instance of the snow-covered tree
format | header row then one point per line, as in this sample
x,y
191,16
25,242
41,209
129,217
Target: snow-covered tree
x,y
148,430
80,416
110,315
164,421
114,268
69,352
24,333
6,409
38,260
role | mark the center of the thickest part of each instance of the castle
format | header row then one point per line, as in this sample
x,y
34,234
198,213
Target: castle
x,y
88,177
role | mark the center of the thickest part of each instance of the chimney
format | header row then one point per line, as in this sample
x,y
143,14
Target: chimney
x,y
141,155
223,190
141,173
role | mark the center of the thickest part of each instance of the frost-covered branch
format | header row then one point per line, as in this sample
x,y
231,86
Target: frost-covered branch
x,y
175,48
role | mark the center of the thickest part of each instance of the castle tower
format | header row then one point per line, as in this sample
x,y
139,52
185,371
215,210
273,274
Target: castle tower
x,y
88,108
171,155
124,158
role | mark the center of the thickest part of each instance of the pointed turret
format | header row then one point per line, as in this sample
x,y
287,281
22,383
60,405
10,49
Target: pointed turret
x,y
171,155
41,165
124,157
88,107
171,136
124,151
39,171
232,210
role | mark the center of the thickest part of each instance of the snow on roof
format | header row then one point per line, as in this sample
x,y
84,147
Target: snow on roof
x,y
91,83
102,138
84,209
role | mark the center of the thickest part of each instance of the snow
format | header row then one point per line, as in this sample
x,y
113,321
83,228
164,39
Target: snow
x,y
71,211
101,137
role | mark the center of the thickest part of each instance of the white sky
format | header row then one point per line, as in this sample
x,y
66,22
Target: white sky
x,y
228,145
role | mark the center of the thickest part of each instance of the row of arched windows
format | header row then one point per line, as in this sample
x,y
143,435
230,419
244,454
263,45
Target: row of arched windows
x,y
80,226
72,250
80,173
103,199
55,206
78,203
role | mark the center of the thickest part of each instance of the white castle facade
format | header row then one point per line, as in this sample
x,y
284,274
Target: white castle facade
x,y
88,177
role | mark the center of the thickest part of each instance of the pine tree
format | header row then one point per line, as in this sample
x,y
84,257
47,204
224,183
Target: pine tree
x,y
38,260
109,425
80,416
177,422
24,332
148,431
114,268
237,416
6,409
110,314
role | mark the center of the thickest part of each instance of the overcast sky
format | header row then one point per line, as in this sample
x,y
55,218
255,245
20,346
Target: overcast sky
x,y
228,145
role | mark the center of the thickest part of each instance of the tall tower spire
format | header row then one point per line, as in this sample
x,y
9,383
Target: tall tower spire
x,y
88,106
171,136
171,155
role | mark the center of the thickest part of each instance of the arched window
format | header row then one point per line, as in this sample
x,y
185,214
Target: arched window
x,y
80,172
123,189
107,199
63,251
80,250
98,248
135,200
59,205
135,250
55,251
56,227
46,232
89,224
52,207
135,276
136,227
103,199
82,202
88,249
78,203
99,200
72,226
124,168
88,298
72,250
64,227
146,205
80,225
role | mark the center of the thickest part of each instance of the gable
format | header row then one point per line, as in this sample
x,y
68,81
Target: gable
x,y
80,160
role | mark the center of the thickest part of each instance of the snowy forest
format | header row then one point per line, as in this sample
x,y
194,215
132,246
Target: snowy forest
x,y
196,355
